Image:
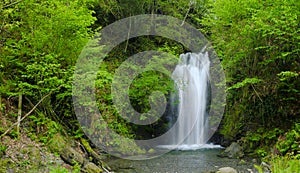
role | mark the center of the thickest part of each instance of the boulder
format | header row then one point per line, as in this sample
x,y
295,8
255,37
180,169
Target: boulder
x,y
71,156
266,167
227,170
91,168
233,151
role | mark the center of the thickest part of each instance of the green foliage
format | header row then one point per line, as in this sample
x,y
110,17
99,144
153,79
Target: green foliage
x,y
4,164
41,42
287,75
285,165
78,134
2,150
76,168
261,140
247,81
58,170
46,128
185,10
140,88
232,125
289,144
258,168
57,143
24,163
258,45
2,106
13,133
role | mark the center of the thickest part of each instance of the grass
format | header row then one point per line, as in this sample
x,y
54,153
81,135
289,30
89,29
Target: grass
x,y
285,165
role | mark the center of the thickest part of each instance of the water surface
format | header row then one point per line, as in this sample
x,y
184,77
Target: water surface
x,y
180,162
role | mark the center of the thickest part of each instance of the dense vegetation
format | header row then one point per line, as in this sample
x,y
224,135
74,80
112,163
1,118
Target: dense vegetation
x,y
257,42
259,46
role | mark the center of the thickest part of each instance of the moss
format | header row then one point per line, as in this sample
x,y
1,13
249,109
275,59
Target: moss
x,y
57,143
86,144
3,165
6,164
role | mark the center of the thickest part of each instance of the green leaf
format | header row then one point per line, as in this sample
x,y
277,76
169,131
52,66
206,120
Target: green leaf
x,y
245,82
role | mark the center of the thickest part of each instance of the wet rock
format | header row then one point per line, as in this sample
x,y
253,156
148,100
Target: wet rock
x,y
91,168
218,138
254,161
70,156
250,170
227,170
266,167
233,151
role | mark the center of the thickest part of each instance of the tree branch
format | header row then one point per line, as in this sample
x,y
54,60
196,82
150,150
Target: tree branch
x,y
11,4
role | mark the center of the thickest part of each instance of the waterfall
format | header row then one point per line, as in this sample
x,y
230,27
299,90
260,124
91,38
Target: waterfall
x,y
189,103
191,77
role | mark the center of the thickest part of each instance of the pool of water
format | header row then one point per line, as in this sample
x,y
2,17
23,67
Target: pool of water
x,y
197,161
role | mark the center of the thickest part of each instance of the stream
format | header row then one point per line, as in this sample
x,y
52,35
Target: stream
x,y
197,161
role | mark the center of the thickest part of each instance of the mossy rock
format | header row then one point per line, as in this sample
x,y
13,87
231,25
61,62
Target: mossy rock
x,y
233,151
91,168
57,143
71,156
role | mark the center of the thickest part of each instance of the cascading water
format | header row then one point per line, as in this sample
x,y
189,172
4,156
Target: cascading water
x,y
191,77
189,103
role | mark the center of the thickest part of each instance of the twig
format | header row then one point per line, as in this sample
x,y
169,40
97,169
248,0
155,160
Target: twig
x,y
256,93
16,123
11,4
128,35
186,14
107,171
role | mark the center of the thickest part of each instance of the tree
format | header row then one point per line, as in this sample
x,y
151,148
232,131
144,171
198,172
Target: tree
x,y
40,43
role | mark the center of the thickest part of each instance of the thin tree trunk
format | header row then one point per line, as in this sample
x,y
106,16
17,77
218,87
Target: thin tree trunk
x,y
19,113
128,35
187,13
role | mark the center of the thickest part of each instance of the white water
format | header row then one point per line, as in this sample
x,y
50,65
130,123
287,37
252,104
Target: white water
x,y
191,77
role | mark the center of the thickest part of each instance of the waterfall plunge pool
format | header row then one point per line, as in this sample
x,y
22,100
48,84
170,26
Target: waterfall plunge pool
x,y
178,161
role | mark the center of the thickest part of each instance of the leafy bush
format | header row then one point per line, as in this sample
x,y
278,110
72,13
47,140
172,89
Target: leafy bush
x,y
289,143
261,140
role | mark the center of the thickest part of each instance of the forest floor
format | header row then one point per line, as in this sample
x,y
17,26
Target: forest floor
x,y
23,154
